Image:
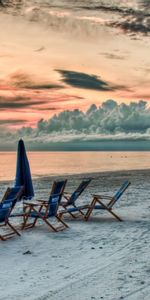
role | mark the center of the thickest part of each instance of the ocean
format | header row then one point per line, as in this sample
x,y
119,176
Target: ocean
x,y
67,163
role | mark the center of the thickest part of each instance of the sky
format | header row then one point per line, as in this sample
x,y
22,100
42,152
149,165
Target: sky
x,y
66,63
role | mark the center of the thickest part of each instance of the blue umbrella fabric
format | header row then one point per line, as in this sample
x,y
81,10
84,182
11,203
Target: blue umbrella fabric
x,y
23,174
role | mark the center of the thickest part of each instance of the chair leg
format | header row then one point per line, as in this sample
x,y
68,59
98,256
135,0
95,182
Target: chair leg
x,y
66,212
72,215
34,223
88,213
44,219
59,219
11,233
49,224
80,211
26,217
25,225
90,209
109,210
2,238
13,228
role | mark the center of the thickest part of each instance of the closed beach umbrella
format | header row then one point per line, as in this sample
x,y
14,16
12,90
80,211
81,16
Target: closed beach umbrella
x,y
23,174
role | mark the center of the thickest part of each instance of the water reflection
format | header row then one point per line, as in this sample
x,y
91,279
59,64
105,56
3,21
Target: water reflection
x,y
60,163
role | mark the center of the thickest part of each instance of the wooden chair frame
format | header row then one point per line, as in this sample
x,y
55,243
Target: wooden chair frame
x,y
6,223
11,233
103,206
78,213
98,199
79,210
37,208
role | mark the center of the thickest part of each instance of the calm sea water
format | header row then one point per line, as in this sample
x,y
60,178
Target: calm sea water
x,y
60,163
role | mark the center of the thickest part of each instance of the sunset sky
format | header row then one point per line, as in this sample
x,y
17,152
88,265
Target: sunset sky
x,y
69,55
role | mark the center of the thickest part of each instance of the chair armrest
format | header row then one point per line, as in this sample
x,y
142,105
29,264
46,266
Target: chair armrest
x,y
66,193
31,204
82,206
42,201
102,196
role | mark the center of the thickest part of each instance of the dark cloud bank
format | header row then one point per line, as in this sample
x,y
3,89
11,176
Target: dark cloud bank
x,y
109,118
108,127
20,79
87,81
18,102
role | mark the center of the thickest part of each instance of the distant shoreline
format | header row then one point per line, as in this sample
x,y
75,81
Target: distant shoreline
x,y
77,145
14,149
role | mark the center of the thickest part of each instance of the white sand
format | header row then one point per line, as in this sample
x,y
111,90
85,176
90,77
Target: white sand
x,y
101,259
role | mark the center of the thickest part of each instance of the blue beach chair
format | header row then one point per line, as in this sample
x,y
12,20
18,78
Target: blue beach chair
x,y
98,204
11,196
69,205
45,210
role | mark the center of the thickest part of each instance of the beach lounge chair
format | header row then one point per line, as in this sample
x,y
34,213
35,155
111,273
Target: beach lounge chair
x,y
11,196
46,210
98,203
69,205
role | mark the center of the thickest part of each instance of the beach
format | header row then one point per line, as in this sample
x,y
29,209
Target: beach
x,y
98,259
74,104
